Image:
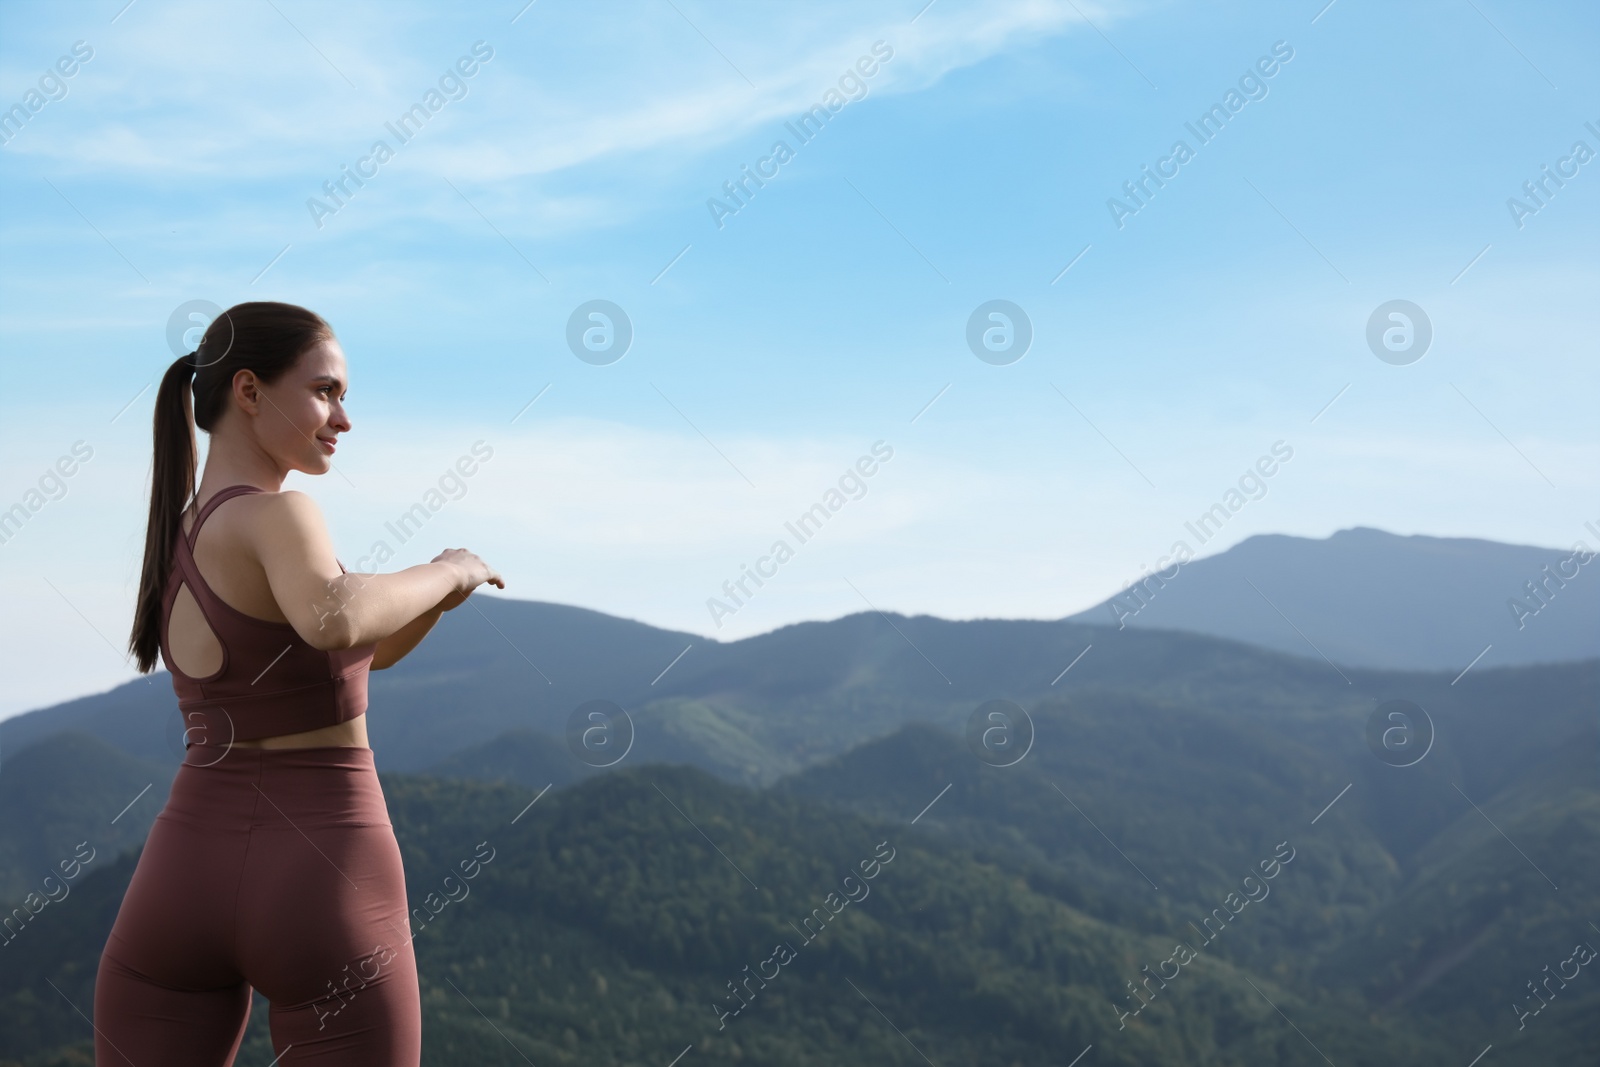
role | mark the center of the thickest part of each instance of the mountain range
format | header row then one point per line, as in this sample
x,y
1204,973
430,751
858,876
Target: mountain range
x,y
1149,779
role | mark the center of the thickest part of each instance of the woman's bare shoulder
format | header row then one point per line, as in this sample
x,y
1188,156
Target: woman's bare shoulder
x,y
289,516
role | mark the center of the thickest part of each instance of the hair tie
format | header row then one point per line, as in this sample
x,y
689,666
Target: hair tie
x,y
193,359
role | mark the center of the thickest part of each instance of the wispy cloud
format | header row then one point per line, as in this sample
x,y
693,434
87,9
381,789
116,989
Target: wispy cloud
x,y
184,88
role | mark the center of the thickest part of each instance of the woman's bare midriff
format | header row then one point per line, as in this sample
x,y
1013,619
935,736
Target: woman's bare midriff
x,y
351,733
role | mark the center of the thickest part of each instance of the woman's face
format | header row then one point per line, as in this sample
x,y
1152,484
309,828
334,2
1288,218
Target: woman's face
x,y
299,416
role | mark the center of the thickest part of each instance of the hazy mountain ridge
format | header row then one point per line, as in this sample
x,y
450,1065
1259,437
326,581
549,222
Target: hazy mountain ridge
x,y
1375,599
771,704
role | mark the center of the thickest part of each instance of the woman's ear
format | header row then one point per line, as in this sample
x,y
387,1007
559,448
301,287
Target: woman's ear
x,y
247,390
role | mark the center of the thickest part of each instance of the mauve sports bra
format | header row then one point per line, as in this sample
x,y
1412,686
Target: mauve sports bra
x,y
271,680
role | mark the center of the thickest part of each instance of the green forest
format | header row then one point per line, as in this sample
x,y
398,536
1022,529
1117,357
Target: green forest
x,y
1200,864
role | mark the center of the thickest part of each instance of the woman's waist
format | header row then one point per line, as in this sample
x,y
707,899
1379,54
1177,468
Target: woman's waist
x,y
311,723
350,733
301,788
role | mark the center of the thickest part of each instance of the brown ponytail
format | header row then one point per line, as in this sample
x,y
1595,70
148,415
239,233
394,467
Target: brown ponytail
x,y
260,336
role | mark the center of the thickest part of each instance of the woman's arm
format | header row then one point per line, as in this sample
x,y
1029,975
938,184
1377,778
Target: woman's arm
x,y
328,608
393,649
333,610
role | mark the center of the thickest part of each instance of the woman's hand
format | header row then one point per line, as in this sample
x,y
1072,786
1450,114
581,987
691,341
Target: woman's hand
x,y
474,572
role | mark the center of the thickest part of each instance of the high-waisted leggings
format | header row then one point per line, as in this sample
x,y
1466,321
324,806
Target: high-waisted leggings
x,y
275,869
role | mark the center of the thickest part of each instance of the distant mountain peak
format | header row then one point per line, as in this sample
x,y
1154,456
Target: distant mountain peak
x,y
1367,597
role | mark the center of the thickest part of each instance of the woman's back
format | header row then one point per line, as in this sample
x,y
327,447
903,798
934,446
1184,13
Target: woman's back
x,y
240,670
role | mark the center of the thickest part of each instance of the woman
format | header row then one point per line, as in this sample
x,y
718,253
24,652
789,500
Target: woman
x,y
273,865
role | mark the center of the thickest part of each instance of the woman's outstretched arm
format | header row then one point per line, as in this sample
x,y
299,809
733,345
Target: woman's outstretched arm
x,y
331,609
393,649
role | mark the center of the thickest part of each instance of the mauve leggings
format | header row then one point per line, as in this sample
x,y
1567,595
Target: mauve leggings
x,y
268,868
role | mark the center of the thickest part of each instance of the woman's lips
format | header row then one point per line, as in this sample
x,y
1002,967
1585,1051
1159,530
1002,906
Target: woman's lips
x,y
326,443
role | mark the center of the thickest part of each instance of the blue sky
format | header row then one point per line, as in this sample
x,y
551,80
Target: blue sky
x,y
830,312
